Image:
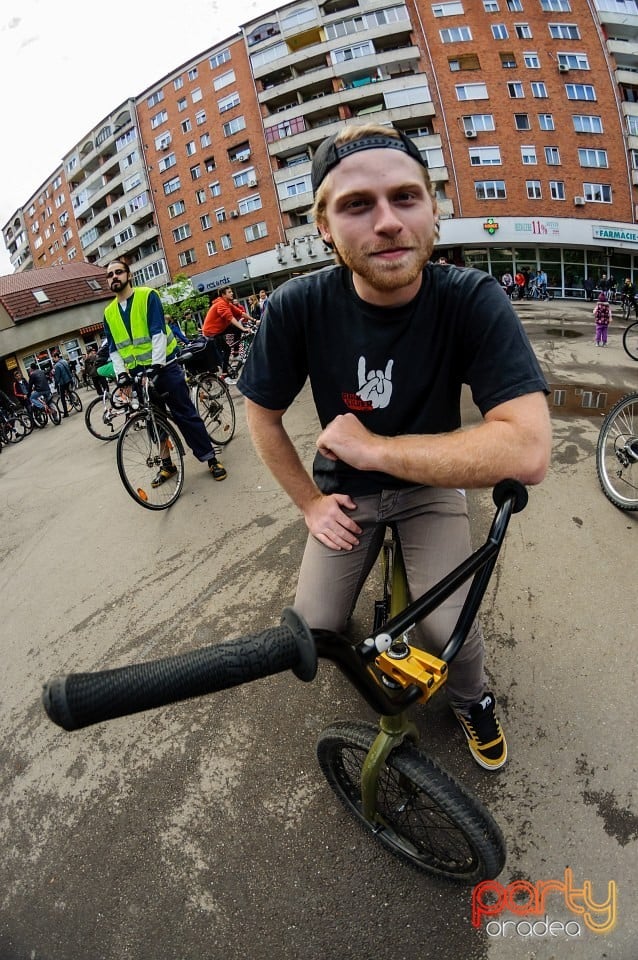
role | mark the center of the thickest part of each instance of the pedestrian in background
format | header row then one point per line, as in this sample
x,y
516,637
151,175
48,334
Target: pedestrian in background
x,y
602,318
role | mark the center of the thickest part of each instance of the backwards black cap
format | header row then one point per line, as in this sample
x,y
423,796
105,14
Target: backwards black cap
x,y
328,154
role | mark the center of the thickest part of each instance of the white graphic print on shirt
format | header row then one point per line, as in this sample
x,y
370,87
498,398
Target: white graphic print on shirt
x,y
375,387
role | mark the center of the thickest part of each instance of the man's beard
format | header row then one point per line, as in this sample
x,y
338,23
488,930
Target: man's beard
x,y
386,276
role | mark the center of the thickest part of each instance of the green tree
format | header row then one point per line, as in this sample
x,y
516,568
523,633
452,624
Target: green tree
x,y
180,296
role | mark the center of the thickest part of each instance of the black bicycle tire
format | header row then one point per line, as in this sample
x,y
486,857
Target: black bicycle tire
x,y
74,399
54,413
220,433
611,420
11,434
633,327
141,495
480,847
40,417
97,402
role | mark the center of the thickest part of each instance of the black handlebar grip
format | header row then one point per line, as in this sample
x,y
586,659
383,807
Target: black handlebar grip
x,y
80,699
510,488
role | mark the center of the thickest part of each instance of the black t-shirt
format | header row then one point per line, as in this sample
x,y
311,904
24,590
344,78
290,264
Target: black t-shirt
x,y
399,370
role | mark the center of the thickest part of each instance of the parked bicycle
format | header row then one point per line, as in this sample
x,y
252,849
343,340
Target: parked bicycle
x,y
72,398
14,427
396,792
44,410
617,453
630,340
628,304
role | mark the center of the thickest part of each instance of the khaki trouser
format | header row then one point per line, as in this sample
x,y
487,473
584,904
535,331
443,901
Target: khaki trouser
x,y
434,532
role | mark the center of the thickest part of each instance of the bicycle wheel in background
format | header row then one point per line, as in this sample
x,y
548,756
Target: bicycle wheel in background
x,y
74,400
54,413
617,454
139,461
630,340
104,422
422,815
40,417
15,430
216,408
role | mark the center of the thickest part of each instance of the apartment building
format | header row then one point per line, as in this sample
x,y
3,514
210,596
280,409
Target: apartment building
x,y
525,110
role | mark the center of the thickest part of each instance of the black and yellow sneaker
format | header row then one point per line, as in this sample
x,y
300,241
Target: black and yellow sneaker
x,y
217,470
166,471
483,731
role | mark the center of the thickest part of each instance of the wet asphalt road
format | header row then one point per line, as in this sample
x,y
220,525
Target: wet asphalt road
x,y
206,830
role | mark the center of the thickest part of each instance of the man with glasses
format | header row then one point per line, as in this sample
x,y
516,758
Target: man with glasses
x,y
139,339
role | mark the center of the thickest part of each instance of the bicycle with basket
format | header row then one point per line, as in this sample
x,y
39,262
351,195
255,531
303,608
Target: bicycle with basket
x,y
384,779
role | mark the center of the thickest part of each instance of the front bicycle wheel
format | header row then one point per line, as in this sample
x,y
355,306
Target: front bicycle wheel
x,y
54,413
40,417
630,340
422,815
216,408
104,421
617,454
139,461
15,430
75,401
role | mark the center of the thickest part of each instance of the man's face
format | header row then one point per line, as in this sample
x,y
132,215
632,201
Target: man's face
x,y
381,220
117,276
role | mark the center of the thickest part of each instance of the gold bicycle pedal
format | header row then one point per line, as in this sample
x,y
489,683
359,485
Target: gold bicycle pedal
x,y
418,667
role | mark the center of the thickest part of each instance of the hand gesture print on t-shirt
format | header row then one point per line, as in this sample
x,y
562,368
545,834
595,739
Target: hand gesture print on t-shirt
x,y
375,387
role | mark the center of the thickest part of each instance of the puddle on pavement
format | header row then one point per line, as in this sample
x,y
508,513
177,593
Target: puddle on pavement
x,y
582,399
562,332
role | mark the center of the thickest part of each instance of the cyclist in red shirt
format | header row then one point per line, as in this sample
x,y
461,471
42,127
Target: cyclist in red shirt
x,y
222,315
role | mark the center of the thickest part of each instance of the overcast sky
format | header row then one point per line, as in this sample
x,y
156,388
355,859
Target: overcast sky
x,y
63,67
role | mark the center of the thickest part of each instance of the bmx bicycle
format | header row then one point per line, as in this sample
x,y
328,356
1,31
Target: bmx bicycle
x,y
389,784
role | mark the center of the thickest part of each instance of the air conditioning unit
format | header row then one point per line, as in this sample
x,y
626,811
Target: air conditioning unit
x,y
563,68
579,201
470,134
252,182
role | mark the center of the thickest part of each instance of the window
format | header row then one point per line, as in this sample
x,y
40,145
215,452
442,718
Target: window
x,y
515,91
597,192
211,248
546,121
478,121
178,83
499,31
181,233
592,158
508,61
447,9
248,204
186,126
191,148
158,119
632,126
471,91
523,31
490,6
255,232
215,188
172,186
205,221
200,117
485,156
204,140
573,61
200,196
469,61
210,164
580,91
163,142
455,35
533,188
287,128
515,6
192,73
552,156
196,95
220,215
585,124
218,58
245,177
521,121
233,126
539,90
293,188
167,162
528,155
182,103
226,241
175,209
564,31
195,172
224,80
155,98
490,189
363,49
557,189
187,257
556,6
531,61
229,102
